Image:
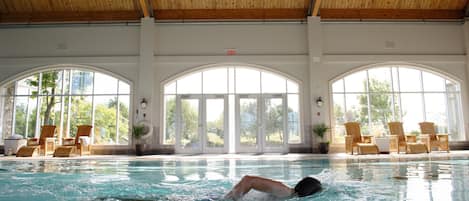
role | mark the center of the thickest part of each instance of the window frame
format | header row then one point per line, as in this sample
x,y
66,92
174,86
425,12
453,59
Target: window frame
x,y
393,68
62,68
231,92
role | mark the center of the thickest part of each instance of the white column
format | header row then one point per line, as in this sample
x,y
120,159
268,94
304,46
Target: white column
x,y
145,82
319,84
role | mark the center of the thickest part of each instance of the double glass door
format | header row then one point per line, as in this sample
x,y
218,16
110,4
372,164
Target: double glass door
x,y
261,123
202,126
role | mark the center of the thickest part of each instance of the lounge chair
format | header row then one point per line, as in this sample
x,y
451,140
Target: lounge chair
x,y
409,142
432,139
355,139
79,144
41,145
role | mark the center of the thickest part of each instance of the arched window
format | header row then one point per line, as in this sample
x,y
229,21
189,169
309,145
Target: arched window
x,y
220,106
403,93
66,98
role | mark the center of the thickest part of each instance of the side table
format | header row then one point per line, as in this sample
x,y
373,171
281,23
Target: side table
x,y
383,144
12,146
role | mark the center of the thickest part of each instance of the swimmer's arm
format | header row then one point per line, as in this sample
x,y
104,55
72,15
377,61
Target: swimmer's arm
x,y
275,188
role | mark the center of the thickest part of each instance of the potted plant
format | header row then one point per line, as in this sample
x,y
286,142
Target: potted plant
x,y
320,130
137,132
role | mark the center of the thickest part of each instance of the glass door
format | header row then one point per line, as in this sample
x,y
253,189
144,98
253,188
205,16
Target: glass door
x,y
274,124
215,124
247,124
203,124
261,123
188,138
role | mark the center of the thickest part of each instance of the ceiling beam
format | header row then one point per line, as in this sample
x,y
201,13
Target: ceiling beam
x,y
145,8
67,17
317,5
466,10
231,14
310,7
390,14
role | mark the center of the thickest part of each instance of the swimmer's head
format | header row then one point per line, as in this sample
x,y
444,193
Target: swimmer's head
x,y
307,186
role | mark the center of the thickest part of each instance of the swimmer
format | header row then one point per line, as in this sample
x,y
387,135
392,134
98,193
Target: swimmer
x,y
307,186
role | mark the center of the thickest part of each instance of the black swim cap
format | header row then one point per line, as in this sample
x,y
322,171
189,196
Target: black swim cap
x,y
307,186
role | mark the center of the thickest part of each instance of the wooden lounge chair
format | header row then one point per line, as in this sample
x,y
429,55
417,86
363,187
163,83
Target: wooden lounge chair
x,y
79,144
432,139
409,142
355,139
41,145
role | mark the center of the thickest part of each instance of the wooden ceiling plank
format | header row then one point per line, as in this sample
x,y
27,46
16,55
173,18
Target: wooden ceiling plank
x,y
3,7
317,5
426,4
57,6
145,8
404,4
20,6
41,5
228,4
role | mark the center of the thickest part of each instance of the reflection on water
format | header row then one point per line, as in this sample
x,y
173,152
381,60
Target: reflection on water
x,y
351,179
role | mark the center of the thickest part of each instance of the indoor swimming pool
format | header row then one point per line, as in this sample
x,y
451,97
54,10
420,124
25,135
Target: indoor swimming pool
x,y
210,179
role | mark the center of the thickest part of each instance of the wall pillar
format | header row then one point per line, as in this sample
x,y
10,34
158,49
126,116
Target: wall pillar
x,y
145,82
318,84
466,43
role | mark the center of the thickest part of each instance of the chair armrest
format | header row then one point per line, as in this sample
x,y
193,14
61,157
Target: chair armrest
x,y
51,139
425,138
84,140
442,137
68,141
32,141
367,138
410,138
393,137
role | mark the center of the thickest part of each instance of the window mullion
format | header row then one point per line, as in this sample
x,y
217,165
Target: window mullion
x,y
400,94
93,108
38,110
13,122
62,98
447,110
367,91
423,97
393,108
27,115
117,114
69,109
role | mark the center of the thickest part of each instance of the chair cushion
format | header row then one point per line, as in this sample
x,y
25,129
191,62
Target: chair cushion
x,y
63,151
27,151
416,148
365,148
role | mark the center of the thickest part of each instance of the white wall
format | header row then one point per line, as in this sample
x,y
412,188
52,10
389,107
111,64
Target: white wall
x,y
213,39
289,48
379,38
73,41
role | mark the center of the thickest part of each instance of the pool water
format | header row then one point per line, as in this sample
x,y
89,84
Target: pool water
x,y
211,179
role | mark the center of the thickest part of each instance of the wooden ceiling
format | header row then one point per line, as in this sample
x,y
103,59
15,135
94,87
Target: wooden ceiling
x,y
393,9
85,11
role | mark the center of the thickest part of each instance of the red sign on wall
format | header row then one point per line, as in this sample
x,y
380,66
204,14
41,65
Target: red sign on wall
x,y
231,52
